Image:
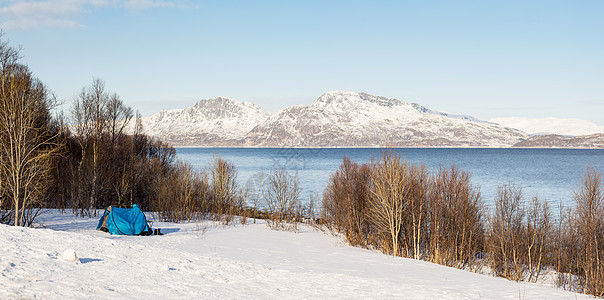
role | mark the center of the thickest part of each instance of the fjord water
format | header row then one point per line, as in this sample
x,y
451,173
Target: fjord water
x,y
552,174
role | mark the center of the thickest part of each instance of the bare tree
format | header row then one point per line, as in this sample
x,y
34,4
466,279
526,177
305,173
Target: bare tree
x,y
282,197
345,201
90,114
253,189
417,206
27,144
225,197
389,189
539,229
455,219
118,116
507,233
589,223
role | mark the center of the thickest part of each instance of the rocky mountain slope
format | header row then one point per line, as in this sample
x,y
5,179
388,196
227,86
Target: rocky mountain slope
x,y
350,119
211,122
591,141
335,119
341,119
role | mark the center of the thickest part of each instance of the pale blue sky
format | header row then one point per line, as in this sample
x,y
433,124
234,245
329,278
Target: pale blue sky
x,y
482,58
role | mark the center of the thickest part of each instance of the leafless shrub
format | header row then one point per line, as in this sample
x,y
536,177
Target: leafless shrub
x,y
519,235
282,196
345,201
309,211
567,251
507,233
254,189
225,199
397,207
589,223
182,195
539,227
455,219
416,211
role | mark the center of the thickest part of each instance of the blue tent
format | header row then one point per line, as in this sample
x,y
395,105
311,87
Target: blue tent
x,y
124,221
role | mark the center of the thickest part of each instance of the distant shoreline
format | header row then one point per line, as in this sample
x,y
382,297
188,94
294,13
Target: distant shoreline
x,y
387,147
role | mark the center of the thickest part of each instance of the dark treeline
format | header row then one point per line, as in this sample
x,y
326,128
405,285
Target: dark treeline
x,y
402,209
109,161
102,163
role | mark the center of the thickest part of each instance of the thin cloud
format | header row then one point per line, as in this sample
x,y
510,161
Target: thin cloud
x,y
31,14
146,4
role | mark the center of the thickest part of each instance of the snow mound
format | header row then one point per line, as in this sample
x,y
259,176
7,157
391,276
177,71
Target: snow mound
x,y
69,255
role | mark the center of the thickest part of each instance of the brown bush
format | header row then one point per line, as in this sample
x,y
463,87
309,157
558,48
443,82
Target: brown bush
x,y
507,233
565,247
455,219
401,210
182,195
589,224
225,197
398,208
539,230
414,228
520,236
345,201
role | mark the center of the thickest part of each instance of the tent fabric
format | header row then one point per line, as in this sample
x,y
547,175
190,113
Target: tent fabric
x,y
124,221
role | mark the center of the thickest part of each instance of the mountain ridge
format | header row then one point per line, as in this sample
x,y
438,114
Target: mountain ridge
x,y
334,119
219,120
339,119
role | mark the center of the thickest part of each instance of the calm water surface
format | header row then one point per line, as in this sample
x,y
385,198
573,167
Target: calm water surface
x,y
552,174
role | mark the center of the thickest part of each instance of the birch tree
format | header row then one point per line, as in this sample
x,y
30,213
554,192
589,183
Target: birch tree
x,y
389,189
589,224
27,145
91,122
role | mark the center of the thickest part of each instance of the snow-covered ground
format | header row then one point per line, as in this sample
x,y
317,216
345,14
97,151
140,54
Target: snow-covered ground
x,y
573,127
204,260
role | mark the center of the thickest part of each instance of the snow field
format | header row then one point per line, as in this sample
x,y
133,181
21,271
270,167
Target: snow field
x,y
205,260
572,127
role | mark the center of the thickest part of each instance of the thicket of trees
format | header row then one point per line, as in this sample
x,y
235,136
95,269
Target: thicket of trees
x,y
579,242
98,156
94,157
111,162
402,209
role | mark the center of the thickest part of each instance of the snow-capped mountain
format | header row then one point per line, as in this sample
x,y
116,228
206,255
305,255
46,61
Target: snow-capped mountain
x,y
335,119
340,119
217,121
540,126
